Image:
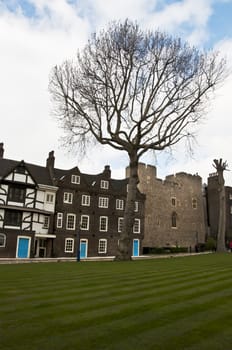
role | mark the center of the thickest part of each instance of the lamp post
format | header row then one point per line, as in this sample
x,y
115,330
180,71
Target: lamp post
x,y
78,243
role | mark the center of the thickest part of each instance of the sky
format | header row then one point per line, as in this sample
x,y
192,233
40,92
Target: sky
x,y
36,35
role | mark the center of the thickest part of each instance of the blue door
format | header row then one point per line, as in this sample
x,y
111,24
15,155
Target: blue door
x,y
83,249
135,247
23,247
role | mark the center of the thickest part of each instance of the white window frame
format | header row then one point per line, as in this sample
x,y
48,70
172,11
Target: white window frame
x,y
102,246
119,204
3,240
75,179
136,226
85,200
104,184
103,219
103,202
74,221
120,223
68,197
46,221
59,220
136,206
86,227
69,245
50,197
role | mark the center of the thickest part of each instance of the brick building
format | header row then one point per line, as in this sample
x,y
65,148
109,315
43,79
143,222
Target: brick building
x,y
50,212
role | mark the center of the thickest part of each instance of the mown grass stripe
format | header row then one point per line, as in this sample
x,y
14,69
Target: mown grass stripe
x,y
115,306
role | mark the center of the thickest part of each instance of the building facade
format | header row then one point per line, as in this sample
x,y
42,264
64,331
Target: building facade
x,y
50,212
27,206
174,209
212,196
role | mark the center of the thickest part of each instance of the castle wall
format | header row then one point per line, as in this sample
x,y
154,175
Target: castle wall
x,y
176,201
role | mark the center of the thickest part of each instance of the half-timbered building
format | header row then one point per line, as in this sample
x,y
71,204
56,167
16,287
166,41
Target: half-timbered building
x,y
27,205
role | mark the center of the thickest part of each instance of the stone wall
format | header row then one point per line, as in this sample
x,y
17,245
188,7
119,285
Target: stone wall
x,y
178,196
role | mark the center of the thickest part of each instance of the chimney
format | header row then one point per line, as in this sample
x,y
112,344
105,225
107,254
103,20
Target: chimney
x,y
107,171
50,163
1,150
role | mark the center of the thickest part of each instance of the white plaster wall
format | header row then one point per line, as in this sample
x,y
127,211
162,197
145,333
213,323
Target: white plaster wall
x,y
1,215
30,197
40,198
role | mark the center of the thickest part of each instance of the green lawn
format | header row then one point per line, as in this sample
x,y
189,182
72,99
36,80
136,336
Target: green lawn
x,y
173,303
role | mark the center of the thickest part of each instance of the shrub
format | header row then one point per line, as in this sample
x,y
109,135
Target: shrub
x,y
210,244
164,250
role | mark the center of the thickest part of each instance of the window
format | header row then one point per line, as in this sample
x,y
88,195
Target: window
x,y
68,197
136,206
120,223
230,196
103,202
75,179
2,240
13,218
136,227
16,194
102,246
174,220
71,221
59,221
104,184
194,203
69,245
103,224
46,222
173,200
85,200
84,222
231,209
119,204
49,197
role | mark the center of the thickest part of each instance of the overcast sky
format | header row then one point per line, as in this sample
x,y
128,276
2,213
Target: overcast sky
x,y
35,35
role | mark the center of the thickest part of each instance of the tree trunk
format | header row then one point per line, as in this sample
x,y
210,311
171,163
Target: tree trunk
x,y
126,237
222,214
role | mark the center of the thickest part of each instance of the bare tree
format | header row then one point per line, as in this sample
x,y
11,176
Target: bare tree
x,y
221,166
135,91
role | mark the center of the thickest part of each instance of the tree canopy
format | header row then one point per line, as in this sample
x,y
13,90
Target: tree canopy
x,y
135,91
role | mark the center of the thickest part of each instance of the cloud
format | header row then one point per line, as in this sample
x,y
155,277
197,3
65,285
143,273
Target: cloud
x,y
32,45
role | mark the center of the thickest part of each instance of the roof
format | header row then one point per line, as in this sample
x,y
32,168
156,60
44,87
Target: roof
x,y
40,174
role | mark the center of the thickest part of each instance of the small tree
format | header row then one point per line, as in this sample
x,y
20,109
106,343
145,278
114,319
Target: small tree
x,y
221,166
135,91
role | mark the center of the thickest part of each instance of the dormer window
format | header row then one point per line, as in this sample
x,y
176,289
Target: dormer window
x,y
75,179
104,184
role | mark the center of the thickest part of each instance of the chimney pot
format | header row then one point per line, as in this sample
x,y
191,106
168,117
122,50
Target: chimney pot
x,y
1,150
